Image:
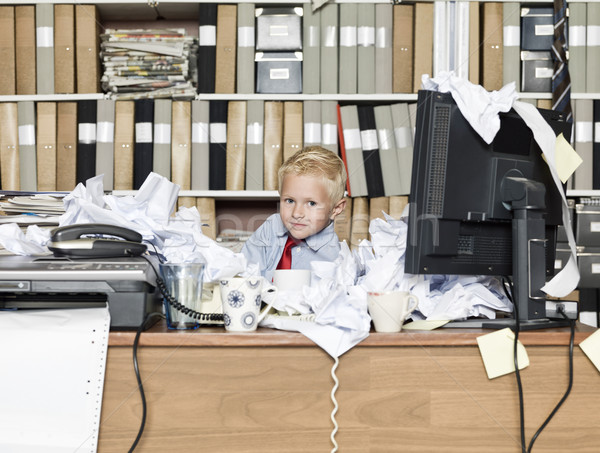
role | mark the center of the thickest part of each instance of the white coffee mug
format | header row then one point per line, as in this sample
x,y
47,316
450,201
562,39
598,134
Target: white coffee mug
x,y
389,309
242,298
291,279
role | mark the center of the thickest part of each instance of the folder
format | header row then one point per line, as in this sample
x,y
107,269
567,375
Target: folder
x,y
596,146
44,32
66,146
441,38
403,137
311,47
254,144
584,137
245,48
46,146
403,48
366,48
491,45
10,170
511,53
312,123
226,49
329,126
7,50
200,144
474,42
370,151
273,148
161,151
360,221
397,205
423,50
292,128
329,48
64,49
27,149
342,224
377,206
462,45
577,46
235,165
87,45
207,50
593,48
25,49
348,69
351,148
217,145
384,25
124,138
105,141
181,144
208,217
388,153
87,112
142,151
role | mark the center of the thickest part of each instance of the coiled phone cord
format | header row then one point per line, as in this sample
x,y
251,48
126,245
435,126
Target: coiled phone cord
x,y
335,404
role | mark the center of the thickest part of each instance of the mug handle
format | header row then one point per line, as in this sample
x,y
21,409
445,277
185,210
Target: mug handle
x,y
271,293
414,301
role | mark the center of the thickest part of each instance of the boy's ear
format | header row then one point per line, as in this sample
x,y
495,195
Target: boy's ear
x,y
338,208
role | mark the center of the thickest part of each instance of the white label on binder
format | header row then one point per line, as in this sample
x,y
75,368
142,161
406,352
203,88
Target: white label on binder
x,y
245,36
595,268
366,36
105,132
577,35
27,135
200,132
330,36
278,30
348,36
162,133
583,131
383,39
329,134
207,35
312,133
352,138
143,132
279,73
597,132
593,35
368,139
44,36
86,133
544,30
557,264
543,73
512,36
218,133
595,227
385,139
314,36
254,134
403,137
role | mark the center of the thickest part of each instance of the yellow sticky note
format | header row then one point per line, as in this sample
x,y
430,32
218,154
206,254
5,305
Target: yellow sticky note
x,y
567,159
497,348
424,325
591,347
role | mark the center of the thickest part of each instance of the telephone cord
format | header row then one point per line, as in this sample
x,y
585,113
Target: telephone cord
x,y
335,404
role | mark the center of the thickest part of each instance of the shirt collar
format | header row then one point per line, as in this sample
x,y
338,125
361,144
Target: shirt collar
x,y
315,242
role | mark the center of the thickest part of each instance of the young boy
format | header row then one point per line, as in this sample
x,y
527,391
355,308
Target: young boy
x,y
311,189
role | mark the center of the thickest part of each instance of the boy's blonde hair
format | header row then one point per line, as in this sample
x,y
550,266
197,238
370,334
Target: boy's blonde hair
x,y
320,162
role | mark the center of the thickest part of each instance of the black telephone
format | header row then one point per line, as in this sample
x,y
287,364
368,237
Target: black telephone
x,y
95,240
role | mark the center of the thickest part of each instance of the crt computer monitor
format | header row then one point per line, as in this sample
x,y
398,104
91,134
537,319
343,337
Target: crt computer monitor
x,y
459,223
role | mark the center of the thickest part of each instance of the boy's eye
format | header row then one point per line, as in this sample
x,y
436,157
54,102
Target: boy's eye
x,y
312,203
288,201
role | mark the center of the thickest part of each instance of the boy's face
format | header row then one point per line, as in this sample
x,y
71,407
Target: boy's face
x,y
305,205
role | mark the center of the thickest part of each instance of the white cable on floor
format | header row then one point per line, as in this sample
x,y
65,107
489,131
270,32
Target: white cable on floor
x,y
335,404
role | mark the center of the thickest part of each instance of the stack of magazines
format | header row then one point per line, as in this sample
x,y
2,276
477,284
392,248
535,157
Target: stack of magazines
x,y
31,208
149,63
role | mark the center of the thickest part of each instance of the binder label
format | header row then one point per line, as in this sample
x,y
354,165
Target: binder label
x,y
143,132
44,36
105,131
200,132
207,35
27,135
245,37
87,133
279,73
330,134
162,133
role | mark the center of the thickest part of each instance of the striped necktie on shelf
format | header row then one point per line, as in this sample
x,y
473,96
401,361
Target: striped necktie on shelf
x,y
561,81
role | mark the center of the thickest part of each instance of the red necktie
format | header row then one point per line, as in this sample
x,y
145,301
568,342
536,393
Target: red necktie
x,y
286,257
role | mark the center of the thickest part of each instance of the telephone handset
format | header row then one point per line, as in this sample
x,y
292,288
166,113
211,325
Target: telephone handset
x,y
95,240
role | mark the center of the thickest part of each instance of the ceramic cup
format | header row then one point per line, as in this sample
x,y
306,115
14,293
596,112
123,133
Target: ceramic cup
x,y
389,309
242,298
184,283
291,279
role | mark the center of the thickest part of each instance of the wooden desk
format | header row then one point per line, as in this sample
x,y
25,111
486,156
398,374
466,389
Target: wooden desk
x,y
269,391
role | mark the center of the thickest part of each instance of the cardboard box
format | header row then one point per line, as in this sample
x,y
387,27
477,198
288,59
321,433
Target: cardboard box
x,y
537,28
587,230
536,71
278,72
278,29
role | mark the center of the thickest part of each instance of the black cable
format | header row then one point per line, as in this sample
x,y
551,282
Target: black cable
x,y
138,377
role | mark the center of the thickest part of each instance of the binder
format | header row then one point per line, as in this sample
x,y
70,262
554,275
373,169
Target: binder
x,y
161,150
207,41
397,205
44,32
366,48
342,224
312,123
208,217
86,140
245,48
377,206
352,153
348,69
403,48
25,49
124,138
311,45
329,48
474,43
388,153
181,144
217,145
292,128
584,136
105,141
403,137
462,44
142,151
200,144
577,32
46,146
64,49
360,221
10,170
512,43
384,25
593,48
423,50
596,146
491,46
329,126
235,165
254,144
87,45
370,151
273,152
441,38
27,148
226,49
66,146
7,50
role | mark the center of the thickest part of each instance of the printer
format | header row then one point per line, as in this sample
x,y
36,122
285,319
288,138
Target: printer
x,y
126,284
